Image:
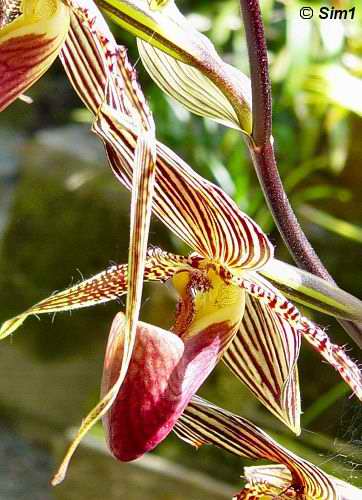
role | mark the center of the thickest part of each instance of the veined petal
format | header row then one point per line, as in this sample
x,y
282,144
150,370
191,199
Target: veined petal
x,y
143,179
263,355
29,44
192,88
194,209
309,290
197,211
204,423
276,479
97,66
334,354
103,287
164,373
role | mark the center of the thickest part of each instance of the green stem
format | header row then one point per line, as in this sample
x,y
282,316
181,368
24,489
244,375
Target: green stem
x,y
263,157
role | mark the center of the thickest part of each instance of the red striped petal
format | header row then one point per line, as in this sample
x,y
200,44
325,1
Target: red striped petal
x,y
194,209
103,287
29,45
204,423
263,355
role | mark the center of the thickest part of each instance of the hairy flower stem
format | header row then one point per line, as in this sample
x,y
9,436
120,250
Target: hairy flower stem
x,y
263,157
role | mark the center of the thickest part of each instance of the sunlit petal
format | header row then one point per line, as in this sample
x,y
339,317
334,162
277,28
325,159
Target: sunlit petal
x,y
193,89
142,182
194,209
263,355
103,287
197,211
96,65
29,44
204,423
335,355
275,480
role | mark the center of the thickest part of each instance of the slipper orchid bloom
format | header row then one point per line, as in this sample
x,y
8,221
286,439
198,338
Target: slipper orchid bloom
x,y
227,309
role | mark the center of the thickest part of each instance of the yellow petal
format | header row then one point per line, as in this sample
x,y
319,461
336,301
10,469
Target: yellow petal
x,y
29,45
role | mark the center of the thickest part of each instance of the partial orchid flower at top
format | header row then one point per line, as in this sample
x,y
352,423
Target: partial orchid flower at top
x,y
227,309
32,33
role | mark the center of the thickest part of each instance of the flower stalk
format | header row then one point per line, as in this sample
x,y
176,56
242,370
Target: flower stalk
x,y
261,150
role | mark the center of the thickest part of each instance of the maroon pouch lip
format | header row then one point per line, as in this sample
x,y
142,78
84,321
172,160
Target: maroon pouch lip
x,y
163,375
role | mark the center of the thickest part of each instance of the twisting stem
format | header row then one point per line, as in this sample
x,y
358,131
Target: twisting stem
x,y
262,153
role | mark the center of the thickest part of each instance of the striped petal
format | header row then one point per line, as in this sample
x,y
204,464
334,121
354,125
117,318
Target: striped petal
x,y
263,355
192,88
204,423
334,354
29,44
275,480
195,210
95,65
103,287
309,290
166,29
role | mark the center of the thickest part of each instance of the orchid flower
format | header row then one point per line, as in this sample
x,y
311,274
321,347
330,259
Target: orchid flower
x,y
32,33
227,308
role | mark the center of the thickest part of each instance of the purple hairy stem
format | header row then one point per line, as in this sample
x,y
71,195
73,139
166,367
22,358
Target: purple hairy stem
x,y
262,153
